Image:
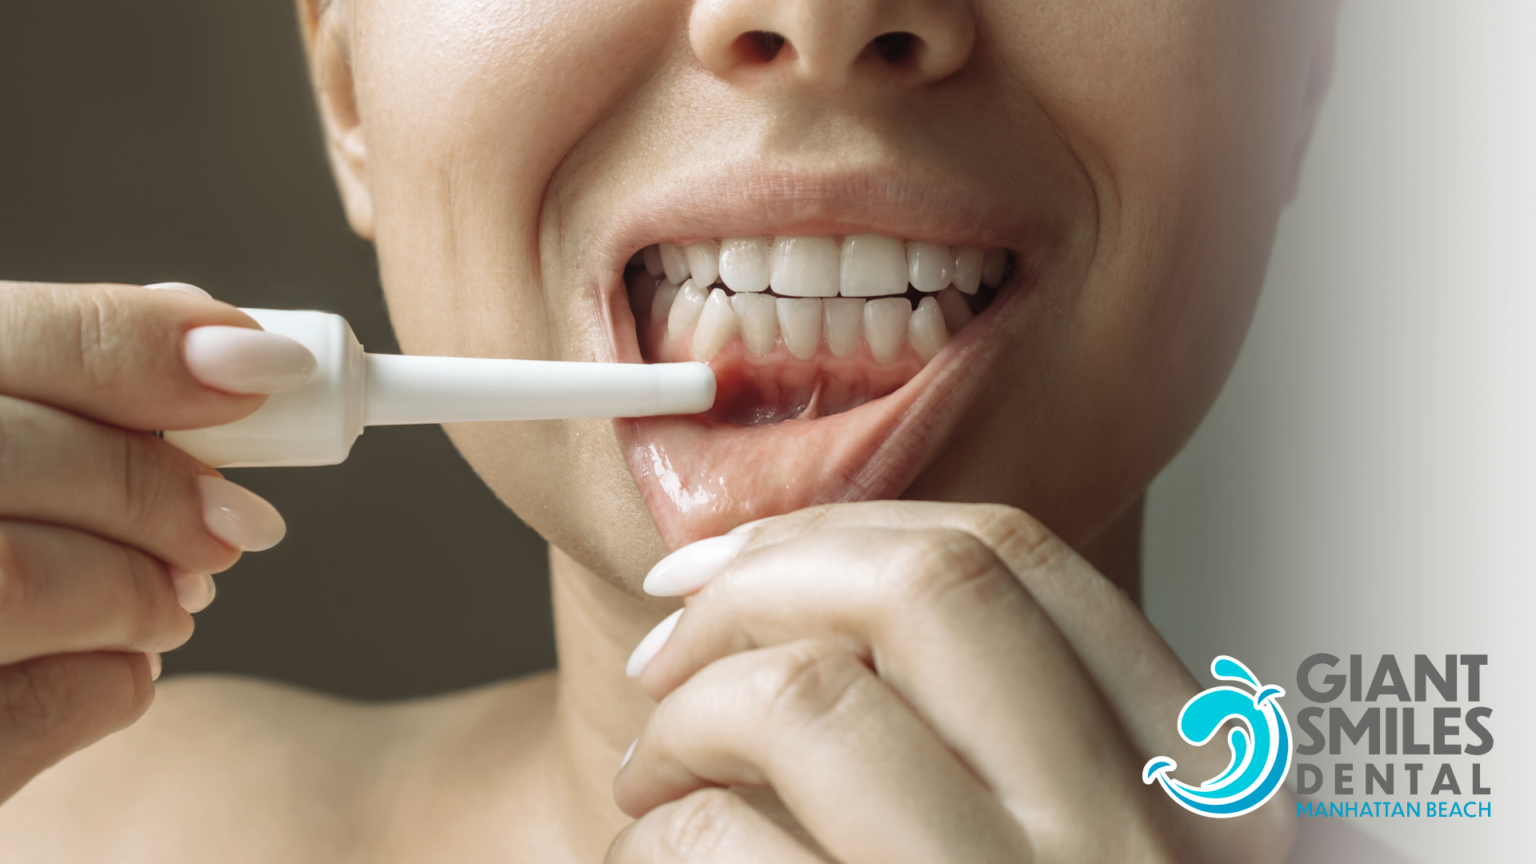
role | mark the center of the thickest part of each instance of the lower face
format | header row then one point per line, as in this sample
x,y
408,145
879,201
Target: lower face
x,y
1023,283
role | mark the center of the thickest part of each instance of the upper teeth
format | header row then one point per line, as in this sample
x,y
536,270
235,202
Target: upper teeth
x,y
807,278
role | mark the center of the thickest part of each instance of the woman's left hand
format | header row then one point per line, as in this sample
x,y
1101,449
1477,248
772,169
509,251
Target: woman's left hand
x,y
916,682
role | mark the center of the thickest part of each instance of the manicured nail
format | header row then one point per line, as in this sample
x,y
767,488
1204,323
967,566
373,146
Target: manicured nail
x,y
746,527
650,646
246,360
628,753
194,591
239,516
691,567
154,664
180,287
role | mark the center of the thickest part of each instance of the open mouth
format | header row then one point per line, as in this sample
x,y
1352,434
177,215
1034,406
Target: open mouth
x,y
801,328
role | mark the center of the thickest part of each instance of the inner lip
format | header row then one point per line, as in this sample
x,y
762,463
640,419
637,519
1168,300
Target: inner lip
x,y
766,380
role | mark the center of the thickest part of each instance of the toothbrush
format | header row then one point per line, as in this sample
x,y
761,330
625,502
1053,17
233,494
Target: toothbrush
x,y
317,423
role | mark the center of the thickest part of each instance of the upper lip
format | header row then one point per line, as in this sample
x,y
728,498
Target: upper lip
x,y
747,199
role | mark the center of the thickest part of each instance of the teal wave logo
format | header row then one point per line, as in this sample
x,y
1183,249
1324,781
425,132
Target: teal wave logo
x,y
1260,744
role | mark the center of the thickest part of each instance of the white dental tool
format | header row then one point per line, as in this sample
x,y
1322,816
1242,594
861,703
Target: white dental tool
x,y
317,423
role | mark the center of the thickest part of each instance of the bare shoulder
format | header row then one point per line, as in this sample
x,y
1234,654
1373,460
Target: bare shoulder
x,y
234,769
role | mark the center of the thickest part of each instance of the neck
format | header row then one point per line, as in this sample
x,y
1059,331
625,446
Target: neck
x,y
599,710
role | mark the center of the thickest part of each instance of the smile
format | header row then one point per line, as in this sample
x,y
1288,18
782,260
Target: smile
x,y
806,327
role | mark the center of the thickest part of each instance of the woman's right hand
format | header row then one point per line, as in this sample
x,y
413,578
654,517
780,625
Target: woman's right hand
x,y
108,535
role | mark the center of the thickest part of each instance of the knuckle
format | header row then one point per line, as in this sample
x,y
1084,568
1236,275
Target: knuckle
x,y
1018,536
806,682
15,577
696,826
929,566
100,329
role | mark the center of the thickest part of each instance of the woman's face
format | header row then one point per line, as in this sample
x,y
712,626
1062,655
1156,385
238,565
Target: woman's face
x,y
1130,158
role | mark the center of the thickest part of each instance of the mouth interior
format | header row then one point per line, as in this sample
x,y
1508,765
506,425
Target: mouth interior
x,y
806,327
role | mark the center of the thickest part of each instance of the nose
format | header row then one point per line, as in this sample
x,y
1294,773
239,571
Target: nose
x,y
830,42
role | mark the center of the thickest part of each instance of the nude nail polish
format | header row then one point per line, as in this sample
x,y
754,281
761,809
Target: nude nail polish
x,y
651,645
691,567
180,288
246,360
194,591
628,753
239,516
155,664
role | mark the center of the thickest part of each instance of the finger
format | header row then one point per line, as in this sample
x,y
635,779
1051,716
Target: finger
x,y
62,591
708,825
865,776
1141,678
951,630
52,706
114,353
130,487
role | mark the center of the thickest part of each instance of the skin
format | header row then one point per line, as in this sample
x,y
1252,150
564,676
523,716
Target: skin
x,y
960,675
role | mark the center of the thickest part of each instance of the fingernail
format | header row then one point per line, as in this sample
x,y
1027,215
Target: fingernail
x,y
691,567
194,591
239,516
245,360
180,287
155,665
746,527
628,753
650,646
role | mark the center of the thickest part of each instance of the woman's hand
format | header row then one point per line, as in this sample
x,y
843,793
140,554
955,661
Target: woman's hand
x,y
107,533
916,682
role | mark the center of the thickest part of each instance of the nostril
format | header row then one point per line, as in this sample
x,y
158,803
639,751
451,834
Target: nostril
x,y
759,46
896,48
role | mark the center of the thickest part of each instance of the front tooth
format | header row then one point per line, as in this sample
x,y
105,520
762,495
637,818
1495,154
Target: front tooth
x,y
744,264
703,261
800,322
651,255
687,305
994,264
968,269
925,331
675,262
804,267
929,267
873,266
758,319
885,326
841,320
717,326
957,312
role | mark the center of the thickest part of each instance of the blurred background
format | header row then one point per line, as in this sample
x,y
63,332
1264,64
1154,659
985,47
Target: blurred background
x,y
176,140
1364,485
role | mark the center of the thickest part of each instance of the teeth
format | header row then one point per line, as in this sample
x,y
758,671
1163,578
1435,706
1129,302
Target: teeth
x,y
687,305
703,261
758,319
957,312
804,267
929,267
652,258
885,326
717,325
744,264
968,269
674,262
800,324
993,266
926,332
661,304
842,318
873,266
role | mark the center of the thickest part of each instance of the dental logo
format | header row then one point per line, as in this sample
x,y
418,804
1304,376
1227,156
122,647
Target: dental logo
x,y
1260,744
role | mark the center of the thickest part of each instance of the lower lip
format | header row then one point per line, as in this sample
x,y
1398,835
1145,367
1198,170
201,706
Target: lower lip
x,y
702,477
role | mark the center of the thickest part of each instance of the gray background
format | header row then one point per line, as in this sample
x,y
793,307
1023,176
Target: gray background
x,y
164,140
